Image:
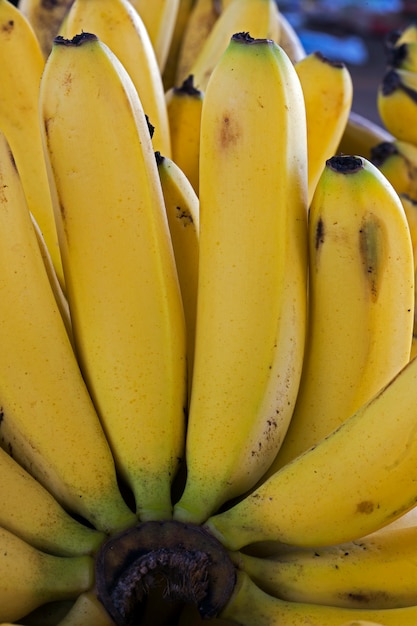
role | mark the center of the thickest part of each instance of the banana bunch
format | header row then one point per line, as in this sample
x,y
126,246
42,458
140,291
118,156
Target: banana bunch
x,y
207,390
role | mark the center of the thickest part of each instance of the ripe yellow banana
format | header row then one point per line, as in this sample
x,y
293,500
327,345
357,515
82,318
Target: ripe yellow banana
x,y
21,67
250,606
169,72
184,105
87,610
404,35
361,300
257,17
123,289
397,103
376,572
410,210
131,43
200,22
397,160
403,56
182,207
45,19
29,511
361,135
251,303
47,420
289,39
353,482
328,91
159,17
58,292
30,577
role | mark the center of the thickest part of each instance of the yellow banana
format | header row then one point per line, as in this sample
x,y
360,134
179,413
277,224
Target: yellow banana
x,y
410,210
327,88
48,422
127,313
397,160
182,207
200,22
184,105
397,103
403,56
361,300
87,610
361,135
250,606
251,303
403,35
58,292
376,572
169,72
257,17
21,66
45,19
130,42
159,17
29,511
289,39
30,577
353,482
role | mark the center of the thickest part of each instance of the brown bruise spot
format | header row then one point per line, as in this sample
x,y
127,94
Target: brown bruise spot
x,y
8,26
319,239
67,82
370,599
370,245
229,131
184,216
366,507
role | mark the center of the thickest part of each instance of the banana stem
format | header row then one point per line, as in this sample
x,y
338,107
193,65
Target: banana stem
x,y
176,562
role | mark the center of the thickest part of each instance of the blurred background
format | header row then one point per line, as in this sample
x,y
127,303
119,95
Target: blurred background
x,y
352,31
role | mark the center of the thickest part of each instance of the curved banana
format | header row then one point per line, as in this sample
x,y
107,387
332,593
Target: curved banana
x,y
200,22
21,67
58,292
289,39
361,135
159,17
328,91
361,300
376,572
397,160
410,210
30,577
353,482
184,106
169,72
29,511
123,289
403,35
45,18
403,56
182,207
47,420
397,103
257,17
87,610
131,43
251,303
250,606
